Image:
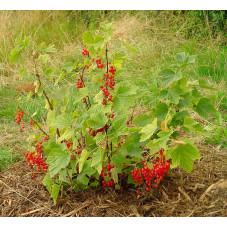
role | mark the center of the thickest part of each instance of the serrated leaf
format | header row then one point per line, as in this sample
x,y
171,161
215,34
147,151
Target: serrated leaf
x,y
97,121
161,110
83,92
97,157
204,107
191,125
169,76
88,38
44,58
68,67
60,94
154,146
142,120
55,192
119,124
49,49
118,161
180,57
48,181
87,169
114,175
61,77
57,159
63,120
124,95
204,84
148,130
99,42
184,156
83,179
83,158
14,56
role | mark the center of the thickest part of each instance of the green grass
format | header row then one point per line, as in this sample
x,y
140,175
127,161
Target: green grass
x,y
8,158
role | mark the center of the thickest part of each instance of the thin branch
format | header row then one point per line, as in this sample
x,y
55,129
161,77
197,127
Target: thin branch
x,y
33,120
47,98
82,79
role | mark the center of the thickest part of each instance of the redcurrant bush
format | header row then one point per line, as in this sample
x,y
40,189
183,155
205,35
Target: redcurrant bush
x,y
95,137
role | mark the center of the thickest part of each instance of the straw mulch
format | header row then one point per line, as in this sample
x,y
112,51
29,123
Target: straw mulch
x,y
201,193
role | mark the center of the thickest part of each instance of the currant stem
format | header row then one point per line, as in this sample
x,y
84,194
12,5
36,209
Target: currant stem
x,y
33,120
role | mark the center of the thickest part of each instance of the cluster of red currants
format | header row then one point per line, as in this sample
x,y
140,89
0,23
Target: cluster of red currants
x,y
79,83
157,173
85,52
109,182
31,123
35,158
99,63
109,82
19,115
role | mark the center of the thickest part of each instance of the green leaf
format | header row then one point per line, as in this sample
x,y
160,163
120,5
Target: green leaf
x,y
204,84
14,56
192,125
148,130
88,38
83,179
50,117
68,67
181,115
97,121
118,161
205,107
87,170
184,156
154,146
48,181
169,76
180,57
114,175
61,77
124,93
142,120
49,49
97,157
83,92
83,158
119,124
43,58
161,110
63,120
174,94
22,73
60,94
57,159
132,146
99,42
55,192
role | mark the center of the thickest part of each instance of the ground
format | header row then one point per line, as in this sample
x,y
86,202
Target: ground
x,y
203,193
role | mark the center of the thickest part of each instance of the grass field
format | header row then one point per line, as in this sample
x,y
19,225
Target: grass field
x,y
158,36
